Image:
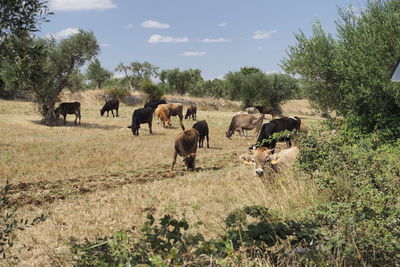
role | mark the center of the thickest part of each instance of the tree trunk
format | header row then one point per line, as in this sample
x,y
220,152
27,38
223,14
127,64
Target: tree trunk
x,y
50,118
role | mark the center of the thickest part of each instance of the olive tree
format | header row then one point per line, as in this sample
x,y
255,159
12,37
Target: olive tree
x,y
97,73
52,67
350,73
137,72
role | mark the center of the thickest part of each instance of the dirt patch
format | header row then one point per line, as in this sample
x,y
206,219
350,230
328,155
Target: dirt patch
x,y
47,192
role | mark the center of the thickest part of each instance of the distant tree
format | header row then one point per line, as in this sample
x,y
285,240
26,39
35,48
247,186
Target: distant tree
x,y
180,82
53,67
254,87
209,88
137,72
350,74
97,73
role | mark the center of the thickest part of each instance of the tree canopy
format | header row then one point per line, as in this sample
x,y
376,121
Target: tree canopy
x,y
97,74
350,74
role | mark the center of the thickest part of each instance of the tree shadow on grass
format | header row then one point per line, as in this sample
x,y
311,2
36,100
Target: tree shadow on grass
x,y
82,125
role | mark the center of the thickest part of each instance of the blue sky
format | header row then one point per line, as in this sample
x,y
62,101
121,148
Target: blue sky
x,y
215,36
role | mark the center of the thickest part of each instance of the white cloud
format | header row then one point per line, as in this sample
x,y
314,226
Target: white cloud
x,y
154,24
193,54
129,26
63,34
68,5
156,38
223,24
259,35
219,40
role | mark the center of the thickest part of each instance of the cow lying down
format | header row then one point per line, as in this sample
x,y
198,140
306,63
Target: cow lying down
x,y
265,161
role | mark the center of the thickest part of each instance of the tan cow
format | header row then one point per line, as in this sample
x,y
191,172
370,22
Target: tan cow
x,y
242,122
186,147
266,162
164,112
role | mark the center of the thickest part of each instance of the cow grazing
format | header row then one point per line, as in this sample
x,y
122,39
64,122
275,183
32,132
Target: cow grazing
x,y
241,122
69,108
276,126
265,161
140,116
191,112
110,106
154,103
202,128
186,147
165,111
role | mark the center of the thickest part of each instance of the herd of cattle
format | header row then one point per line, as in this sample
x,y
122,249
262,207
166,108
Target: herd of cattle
x,y
262,155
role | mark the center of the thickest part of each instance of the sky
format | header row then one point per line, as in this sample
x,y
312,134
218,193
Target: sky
x,y
215,36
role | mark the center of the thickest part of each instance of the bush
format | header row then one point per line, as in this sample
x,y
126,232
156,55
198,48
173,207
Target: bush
x,y
153,91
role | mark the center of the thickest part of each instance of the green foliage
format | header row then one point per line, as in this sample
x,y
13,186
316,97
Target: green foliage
x,y
351,74
97,73
253,87
360,224
21,17
153,91
8,224
137,72
181,82
208,88
48,68
164,244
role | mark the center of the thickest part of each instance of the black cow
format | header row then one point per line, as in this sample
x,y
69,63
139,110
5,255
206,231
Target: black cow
x,y
154,103
191,112
140,116
69,108
275,126
202,128
109,106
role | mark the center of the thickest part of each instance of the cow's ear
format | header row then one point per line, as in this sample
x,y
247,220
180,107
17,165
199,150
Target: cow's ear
x,y
272,151
129,126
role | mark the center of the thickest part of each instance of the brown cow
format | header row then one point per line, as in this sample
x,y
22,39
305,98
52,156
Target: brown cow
x,y
191,112
165,111
186,147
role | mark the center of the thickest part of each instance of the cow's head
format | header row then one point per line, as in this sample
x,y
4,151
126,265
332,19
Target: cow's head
x,y
57,112
230,132
262,158
189,161
102,112
135,128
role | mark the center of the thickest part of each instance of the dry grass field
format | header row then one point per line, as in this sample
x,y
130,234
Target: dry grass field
x,y
95,178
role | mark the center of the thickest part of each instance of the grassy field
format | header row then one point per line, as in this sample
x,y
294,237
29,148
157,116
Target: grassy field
x,y
96,178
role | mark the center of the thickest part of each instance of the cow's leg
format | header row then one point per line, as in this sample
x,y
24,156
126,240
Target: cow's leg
x,y
150,128
112,112
208,146
174,160
241,132
107,112
117,112
65,118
